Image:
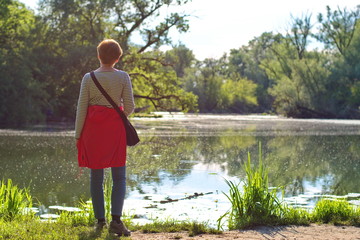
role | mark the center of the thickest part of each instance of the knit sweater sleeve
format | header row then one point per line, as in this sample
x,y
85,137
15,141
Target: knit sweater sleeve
x,y
128,97
82,106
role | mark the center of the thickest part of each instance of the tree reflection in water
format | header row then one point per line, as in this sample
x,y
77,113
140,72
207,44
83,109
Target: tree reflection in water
x,y
48,162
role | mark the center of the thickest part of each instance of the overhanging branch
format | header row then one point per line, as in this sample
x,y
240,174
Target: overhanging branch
x,y
157,98
159,61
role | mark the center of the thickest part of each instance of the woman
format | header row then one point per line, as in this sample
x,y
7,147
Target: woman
x,y
100,133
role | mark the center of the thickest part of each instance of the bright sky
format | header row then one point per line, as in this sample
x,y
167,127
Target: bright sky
x,y
216,26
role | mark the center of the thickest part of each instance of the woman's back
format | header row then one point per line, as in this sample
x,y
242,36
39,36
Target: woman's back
x,y
116,83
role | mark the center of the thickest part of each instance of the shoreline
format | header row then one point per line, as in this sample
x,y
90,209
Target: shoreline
x,y
313,231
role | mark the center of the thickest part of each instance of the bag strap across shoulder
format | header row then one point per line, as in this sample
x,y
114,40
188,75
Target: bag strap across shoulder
x,y
102,90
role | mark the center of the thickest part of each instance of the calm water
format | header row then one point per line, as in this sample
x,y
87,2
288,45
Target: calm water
x,y
187,158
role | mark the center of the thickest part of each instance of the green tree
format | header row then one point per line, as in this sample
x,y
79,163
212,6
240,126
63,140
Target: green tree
x,y
300,76
246,61
341,31
156,82
204,80
218,90
344,81
180,57
238,94
75,28
21,95
337,30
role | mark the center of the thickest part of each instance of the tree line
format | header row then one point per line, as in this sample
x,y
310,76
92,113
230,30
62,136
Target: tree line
x,y
44,55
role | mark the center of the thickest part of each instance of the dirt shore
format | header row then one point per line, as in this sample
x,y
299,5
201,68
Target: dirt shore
x,y
284,232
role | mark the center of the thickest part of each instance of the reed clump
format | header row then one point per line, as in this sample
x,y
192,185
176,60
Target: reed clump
x,y
14,201
258,204
255,204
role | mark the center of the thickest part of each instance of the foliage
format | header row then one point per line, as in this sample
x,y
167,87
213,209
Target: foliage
x,y
308,83
246,63
238,95
56,47
343,82
78,225
20,93
205,82
107,195
217,90
84,23
333,211
14,202
299,82
171,225
84,217
36,229
256,204
274,73
179,58
337,30
157,84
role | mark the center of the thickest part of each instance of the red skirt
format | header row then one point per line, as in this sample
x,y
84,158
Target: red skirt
x,y
103,139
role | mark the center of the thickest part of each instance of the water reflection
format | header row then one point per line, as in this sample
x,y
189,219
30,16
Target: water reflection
x,y
177,159
46,165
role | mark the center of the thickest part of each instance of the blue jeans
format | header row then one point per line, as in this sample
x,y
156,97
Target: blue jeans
x,y
117,195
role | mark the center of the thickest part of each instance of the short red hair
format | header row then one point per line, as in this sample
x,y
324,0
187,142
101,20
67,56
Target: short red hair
x,y
109,51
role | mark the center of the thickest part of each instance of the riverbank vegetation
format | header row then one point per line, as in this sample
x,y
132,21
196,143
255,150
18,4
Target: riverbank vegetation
x,y
18,220
252,204
54,47
256,203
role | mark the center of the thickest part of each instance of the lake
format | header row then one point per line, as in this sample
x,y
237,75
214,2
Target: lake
x,y
179,168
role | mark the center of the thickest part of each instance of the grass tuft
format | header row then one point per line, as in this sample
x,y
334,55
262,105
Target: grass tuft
x,y
107,195
256,204
85,217
333,211
172,225
14,202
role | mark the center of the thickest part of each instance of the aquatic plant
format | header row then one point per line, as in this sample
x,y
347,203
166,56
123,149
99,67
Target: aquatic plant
x,y
256,204
14,201
80,223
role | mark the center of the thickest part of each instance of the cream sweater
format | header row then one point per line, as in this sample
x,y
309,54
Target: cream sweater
x,y
116,84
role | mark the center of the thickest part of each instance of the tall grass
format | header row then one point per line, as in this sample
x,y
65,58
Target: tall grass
x,y
256,204
107,195
14,201
355,220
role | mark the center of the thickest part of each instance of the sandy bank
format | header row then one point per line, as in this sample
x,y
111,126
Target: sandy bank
x,y
284,232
